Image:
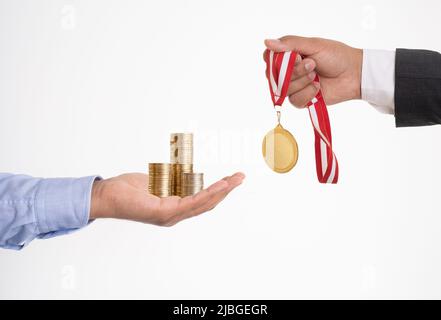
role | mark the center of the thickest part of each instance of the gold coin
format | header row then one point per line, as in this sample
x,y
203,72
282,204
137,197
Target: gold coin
x,y
181,148
192,183
159,179
279,149
177,170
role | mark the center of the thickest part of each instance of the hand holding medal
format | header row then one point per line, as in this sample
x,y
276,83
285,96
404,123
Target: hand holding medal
x,y
279,146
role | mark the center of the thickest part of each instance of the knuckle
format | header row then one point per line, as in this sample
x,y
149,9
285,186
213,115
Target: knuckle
x,y
165,219
170,224
207,209
161,222
310,89
292,89
295,101
306,80
301,70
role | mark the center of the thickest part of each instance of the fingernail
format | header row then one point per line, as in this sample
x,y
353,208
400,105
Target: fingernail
x,y
311,75
309,66
273,42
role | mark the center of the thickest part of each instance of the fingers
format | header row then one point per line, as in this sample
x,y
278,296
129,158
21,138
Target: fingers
x,y
301,98
306,46
303,68
302,87
233,182
207,199
191,203
301,83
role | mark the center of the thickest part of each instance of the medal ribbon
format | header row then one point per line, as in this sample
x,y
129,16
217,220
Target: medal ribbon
x,y
279,68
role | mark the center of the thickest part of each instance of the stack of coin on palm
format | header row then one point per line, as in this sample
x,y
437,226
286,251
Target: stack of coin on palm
x,y
181,179
159,179
192,183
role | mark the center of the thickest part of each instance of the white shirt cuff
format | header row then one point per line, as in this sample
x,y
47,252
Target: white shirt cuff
x,y
378,79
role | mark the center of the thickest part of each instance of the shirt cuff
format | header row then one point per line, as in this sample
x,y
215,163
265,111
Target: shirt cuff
x,y
63,205
378,79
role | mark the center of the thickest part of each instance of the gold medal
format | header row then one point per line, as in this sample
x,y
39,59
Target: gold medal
x,y
279,149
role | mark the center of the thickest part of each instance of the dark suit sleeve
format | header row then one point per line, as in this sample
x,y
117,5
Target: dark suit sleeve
x,y
417,88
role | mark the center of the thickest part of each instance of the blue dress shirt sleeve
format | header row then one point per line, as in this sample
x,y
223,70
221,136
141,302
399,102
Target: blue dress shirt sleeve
x,y
41,208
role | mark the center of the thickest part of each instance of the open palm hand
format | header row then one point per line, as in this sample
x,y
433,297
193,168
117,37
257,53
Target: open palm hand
x,y
126,197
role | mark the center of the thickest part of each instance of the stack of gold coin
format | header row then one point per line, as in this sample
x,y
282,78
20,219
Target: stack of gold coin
x,y
159,179
192,183
176,178
177,170
181,148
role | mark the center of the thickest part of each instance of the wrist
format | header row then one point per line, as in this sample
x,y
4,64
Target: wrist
x,y
357,66
97,201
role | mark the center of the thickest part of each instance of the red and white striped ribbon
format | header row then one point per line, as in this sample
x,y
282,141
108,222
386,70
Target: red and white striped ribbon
x,y
280,66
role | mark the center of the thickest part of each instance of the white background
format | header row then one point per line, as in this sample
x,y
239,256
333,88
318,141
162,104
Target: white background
x,y
95,87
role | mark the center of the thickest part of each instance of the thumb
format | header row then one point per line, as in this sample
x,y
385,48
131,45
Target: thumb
x,y
302,45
